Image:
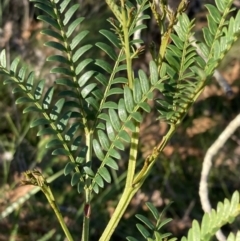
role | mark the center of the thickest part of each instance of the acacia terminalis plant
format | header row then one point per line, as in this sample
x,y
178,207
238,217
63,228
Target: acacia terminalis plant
x,y
85,122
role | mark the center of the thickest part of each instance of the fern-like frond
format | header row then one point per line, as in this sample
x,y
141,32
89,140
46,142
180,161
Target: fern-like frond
x,y
137,16
69,44
233,237
37,101
112,126
151,230
82,93
120,120
225,213
183,82
76,102
184,66
220,35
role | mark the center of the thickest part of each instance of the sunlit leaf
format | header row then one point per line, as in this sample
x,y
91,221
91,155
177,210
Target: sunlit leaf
x,y
108,50
105,174
111,163
98,179
114,119
73,26
69,13
97,149
78,38
103,139
88,171
111,37
128,98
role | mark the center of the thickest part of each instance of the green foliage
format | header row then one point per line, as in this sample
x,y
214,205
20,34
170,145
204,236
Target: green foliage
x,y
95,107
154,227
211,222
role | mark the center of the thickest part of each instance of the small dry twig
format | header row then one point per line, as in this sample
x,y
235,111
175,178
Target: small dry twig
x,y
207,164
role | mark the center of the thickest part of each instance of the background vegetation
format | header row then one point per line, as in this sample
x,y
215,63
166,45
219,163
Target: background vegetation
x,y
177,173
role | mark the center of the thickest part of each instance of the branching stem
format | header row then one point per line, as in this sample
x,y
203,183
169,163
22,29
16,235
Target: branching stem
x,y
36,178
131,190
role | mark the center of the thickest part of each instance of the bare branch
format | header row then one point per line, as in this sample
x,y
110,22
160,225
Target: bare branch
x,y
207,164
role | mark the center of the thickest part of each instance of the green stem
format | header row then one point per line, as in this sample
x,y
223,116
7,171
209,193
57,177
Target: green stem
x,y
124,201
131,190
133,156
48,193
12,125
13,206
34,177
87,207
127,46
86,222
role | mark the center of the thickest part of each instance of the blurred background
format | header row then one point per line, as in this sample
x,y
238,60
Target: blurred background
x,y
176,175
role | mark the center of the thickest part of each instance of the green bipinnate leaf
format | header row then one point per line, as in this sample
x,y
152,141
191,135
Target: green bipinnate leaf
x,y
103,99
